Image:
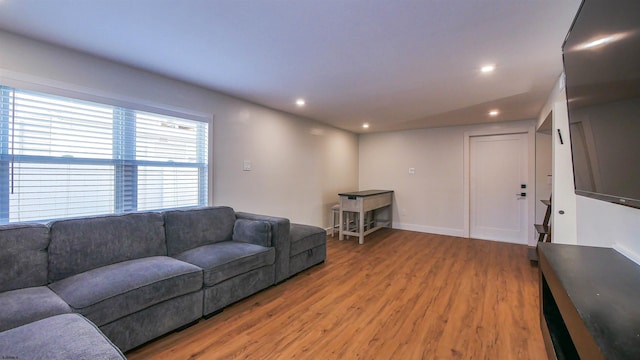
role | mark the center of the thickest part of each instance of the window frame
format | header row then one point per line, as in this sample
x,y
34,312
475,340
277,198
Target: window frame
x,y
123,161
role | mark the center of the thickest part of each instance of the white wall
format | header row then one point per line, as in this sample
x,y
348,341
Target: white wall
x,y
595,223
605,224
299,165
563,216
432,200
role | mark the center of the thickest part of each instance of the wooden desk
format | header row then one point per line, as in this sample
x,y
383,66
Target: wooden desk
x,y
366,205
589,302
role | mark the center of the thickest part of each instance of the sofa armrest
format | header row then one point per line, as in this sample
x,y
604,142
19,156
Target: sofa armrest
x,y
257,232
279,240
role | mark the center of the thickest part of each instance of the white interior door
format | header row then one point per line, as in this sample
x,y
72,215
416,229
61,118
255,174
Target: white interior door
x,y
498,168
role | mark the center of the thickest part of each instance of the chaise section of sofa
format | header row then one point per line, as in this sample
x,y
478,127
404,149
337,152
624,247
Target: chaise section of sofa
x,y
236,255
308,247
24,296
114,271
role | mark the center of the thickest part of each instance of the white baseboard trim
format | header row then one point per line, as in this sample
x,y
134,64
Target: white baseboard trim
x,y
632,255
335,232
420,228
430,229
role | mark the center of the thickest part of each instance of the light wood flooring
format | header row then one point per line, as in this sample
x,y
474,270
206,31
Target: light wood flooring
x,y
401,295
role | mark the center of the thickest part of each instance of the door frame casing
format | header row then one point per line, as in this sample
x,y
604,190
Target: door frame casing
x,y
531,173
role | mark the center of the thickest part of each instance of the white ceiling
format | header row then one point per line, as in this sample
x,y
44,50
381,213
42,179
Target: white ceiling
x,y
397,64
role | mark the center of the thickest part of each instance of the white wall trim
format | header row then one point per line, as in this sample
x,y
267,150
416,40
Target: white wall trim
x,y
417,228
60,88
531,208
430,229
632,255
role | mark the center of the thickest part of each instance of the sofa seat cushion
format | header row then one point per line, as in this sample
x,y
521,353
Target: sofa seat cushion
x,y
27,305
61,337
224,260
305,237
111,292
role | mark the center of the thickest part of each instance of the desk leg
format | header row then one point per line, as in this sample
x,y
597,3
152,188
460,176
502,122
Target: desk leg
x,y
361,227
341,225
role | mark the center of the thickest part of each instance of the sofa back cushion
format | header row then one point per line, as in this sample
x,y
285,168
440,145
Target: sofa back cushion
x,y
23,256
78,245
188,229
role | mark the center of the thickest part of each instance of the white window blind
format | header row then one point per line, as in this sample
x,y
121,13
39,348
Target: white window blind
x,y
62,157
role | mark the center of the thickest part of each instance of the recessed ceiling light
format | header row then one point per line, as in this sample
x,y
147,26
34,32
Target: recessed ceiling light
x,y
494,113
300,102
365,125
487,68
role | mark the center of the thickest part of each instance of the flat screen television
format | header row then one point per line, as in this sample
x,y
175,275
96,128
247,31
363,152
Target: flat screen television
x,y
601,57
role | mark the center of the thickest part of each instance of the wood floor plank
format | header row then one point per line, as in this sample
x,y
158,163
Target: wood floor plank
x,y
401,295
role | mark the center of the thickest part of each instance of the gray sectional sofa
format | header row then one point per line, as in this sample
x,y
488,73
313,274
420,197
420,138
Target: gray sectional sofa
x,y
112,283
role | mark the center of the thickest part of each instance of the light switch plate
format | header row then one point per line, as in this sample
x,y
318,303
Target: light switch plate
x,y
412,171
246,165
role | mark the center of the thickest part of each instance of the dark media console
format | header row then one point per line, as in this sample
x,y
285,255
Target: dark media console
x,y
589,302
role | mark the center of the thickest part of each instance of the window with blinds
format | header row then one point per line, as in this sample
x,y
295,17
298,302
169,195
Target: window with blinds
x,y
62,157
